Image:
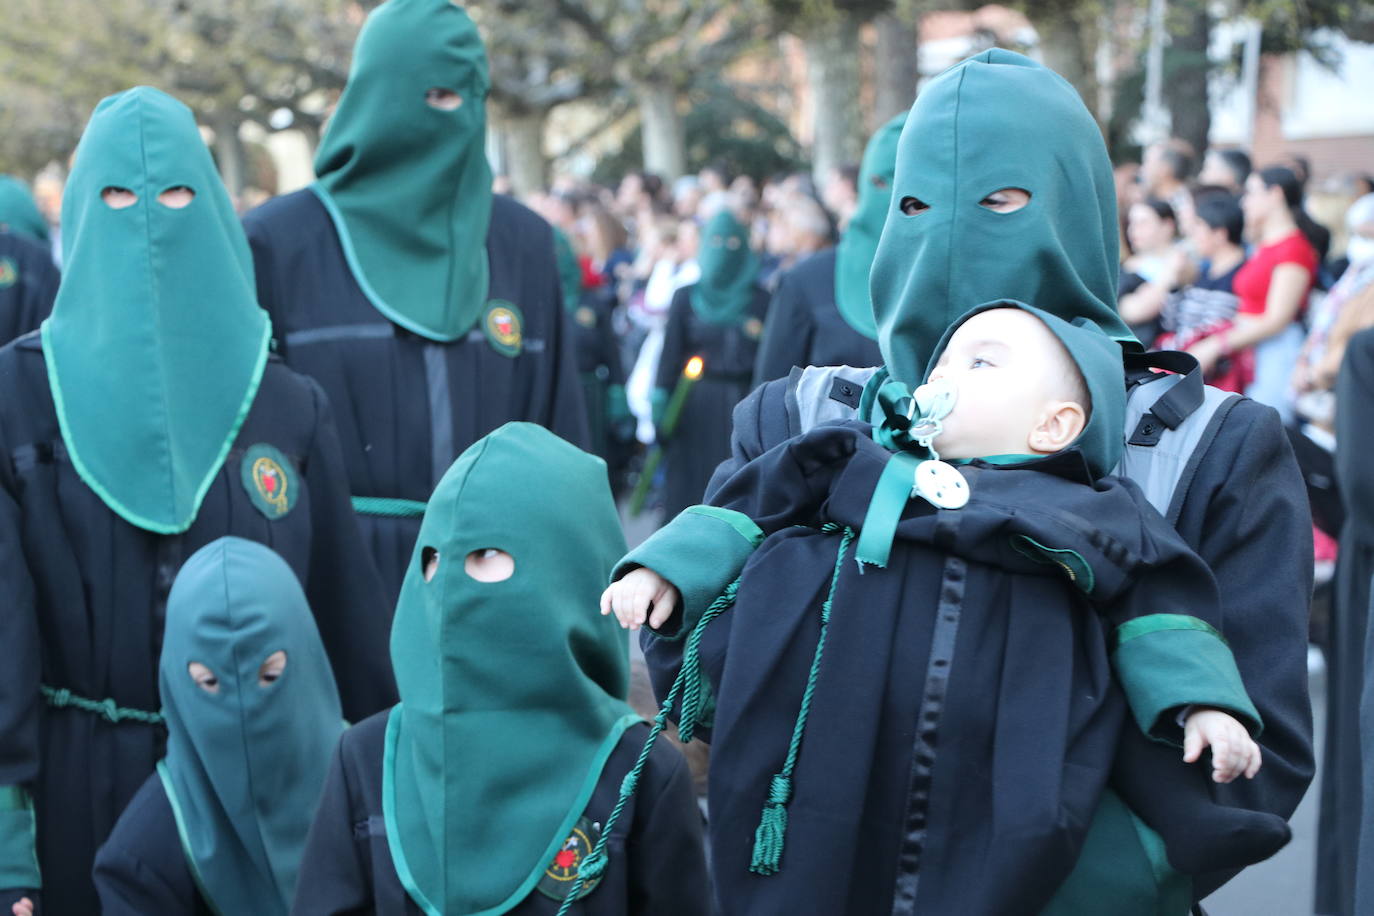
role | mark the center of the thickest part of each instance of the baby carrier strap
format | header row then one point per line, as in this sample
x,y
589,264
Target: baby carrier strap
x,y
821,394
1171,420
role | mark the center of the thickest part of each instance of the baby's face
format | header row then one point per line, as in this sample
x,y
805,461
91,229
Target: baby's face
x,y
1010,375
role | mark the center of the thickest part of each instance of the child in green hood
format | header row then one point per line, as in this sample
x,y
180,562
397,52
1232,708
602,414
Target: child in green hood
x,y
493,786
1036,405
252,715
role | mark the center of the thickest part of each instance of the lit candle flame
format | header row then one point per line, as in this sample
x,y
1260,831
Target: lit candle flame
x,y
694,366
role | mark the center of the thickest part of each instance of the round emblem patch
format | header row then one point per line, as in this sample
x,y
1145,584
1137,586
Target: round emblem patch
x,y
753,329
270,479
561,877
504,327
585,316
9,273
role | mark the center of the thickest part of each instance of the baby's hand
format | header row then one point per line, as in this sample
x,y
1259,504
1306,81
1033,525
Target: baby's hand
x,y
24,907
632,596
1234,752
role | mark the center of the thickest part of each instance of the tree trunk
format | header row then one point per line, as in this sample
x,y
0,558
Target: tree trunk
x,y
665,138
229,155
832,75
896,70
1185,73
1068,43
523,159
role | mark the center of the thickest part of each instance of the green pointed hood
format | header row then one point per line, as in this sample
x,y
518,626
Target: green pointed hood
x,y
1098,358
728,270
569,271
245,765
854,254
19,213
156,344
408,186
512,692
997,120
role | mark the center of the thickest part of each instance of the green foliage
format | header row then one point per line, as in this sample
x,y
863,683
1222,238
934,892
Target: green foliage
x,y
723,125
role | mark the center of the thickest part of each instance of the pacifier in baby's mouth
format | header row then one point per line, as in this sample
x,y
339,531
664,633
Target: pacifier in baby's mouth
x,y
936,482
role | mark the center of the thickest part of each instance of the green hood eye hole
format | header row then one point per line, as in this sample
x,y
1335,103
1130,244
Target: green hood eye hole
x,y
429,563
912,206
1006,200
203,677
176,197
117,198
443,99
489,564
272,668
879,182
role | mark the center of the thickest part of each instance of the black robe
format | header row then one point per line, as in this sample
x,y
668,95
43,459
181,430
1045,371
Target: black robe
x,y
805,327
598,366
701,439
142,869
85,594
965,720
28,285
406,407
656,862
1341,856
1245,514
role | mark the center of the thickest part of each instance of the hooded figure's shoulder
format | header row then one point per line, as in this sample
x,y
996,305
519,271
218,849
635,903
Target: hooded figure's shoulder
x,y
515,227
294,220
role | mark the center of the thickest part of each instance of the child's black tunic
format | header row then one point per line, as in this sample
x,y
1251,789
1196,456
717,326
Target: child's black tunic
x,y
406,406
656,863
805,327
85,593
142,867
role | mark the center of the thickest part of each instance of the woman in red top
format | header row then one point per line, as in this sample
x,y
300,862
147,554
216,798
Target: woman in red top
x,y
1272,286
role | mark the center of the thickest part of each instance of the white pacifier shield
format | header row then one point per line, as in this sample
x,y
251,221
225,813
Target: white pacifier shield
x,y
941,485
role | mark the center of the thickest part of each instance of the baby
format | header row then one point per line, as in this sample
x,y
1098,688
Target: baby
x,y
1030,408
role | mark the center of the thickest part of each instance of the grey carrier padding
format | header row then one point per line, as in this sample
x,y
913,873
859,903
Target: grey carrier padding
x,y
1162,459
1166,437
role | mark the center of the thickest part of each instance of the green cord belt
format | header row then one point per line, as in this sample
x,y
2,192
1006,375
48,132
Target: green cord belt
x,y
387,507
108,709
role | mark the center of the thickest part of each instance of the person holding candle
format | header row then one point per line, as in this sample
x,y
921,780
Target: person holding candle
x,y
719,321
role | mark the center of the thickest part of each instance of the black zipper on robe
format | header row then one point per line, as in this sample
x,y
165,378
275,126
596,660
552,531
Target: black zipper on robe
x,y
942,643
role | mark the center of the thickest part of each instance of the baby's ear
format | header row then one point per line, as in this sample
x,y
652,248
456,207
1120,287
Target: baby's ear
x,y
1061,423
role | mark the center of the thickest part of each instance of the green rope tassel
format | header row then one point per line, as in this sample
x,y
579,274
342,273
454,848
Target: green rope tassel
x,y
771,834
592,867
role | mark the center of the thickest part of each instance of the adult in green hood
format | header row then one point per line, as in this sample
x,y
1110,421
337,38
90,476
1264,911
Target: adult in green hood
x,y
19,212
497,771
1003,190
729,269
404,173
427,308
980,195
859,244
252,717
146,420
156,344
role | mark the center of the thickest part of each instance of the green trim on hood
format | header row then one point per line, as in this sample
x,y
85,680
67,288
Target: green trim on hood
x,y
858,245
408,186
156,344
997,120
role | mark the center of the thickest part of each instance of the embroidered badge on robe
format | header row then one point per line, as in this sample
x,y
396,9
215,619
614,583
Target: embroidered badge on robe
x,y
753,328
9,273
504,327
585,316
271,480
561,877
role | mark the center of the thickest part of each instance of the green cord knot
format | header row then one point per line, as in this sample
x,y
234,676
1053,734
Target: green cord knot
x,y
107,709
591,868
780,790
59,698
629,784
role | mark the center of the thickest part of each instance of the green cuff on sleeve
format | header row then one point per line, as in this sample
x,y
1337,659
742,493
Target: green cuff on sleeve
x,y
18,854
1167,661
700,552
